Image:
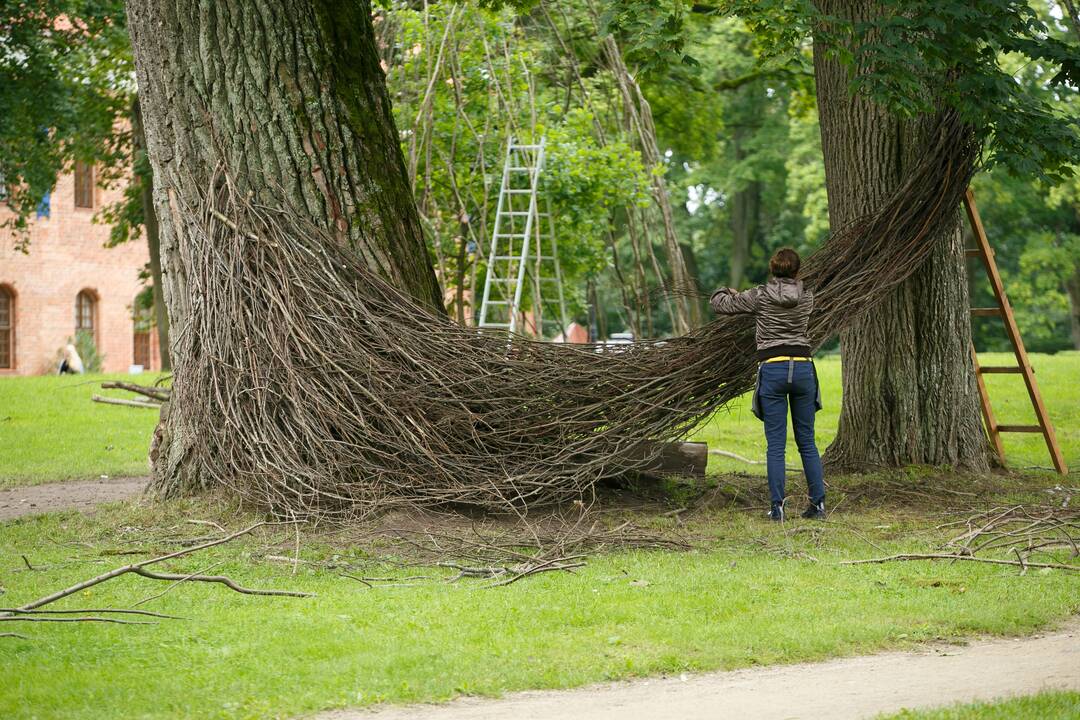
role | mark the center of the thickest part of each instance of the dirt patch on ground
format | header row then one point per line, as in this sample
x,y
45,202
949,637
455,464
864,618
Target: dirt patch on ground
x,y
844,689
80,495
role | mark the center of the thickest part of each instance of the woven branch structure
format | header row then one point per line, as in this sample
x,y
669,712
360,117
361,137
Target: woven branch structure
x,y
317,389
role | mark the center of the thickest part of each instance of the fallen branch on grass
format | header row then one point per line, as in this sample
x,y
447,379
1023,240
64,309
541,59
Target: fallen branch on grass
x,y
1019,528
740,458
161,394
512,574
139,568
127,403
537,569
38,618
965,558
223,579
123,611
498,552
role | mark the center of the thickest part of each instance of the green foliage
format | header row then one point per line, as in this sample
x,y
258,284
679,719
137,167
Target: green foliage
x,y
750,130
587,183
920,53
142,310
66,77
806,194
651,32
454,124
1035,233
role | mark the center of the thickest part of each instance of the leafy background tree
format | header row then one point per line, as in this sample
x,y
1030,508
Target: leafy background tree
x,y
67,84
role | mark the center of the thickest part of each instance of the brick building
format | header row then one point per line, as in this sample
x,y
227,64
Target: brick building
x,y
69,281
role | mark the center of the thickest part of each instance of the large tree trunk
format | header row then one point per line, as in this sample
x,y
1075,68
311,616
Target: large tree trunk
x,y
289,98
745,207
909,392
1073,287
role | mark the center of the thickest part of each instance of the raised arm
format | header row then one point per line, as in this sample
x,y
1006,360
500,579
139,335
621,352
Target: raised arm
x,y
726,301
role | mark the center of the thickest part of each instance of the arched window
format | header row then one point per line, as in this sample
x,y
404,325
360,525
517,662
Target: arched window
x,y
86,313
7,328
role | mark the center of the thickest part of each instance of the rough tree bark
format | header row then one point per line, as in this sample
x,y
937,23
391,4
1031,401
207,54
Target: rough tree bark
x,y
1073,287
289,96
909,392
745,207
748,110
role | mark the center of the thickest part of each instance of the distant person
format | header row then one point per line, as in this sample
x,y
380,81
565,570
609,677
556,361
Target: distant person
x,y
71,363
782,308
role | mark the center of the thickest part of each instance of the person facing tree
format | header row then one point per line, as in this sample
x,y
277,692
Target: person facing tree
x,y
782,308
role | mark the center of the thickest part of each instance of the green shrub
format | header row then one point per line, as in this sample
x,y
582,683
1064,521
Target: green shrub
x,y
87,349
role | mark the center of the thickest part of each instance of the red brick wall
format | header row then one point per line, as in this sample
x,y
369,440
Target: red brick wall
x,y
66,255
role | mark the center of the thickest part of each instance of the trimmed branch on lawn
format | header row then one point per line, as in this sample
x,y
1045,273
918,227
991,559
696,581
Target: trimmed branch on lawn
x,y
126,403
1019,530
502,553
122,611
139,569
224,580
38,618
161,394
965,558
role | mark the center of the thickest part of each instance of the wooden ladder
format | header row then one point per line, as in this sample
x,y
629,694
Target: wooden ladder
x,y
1023,367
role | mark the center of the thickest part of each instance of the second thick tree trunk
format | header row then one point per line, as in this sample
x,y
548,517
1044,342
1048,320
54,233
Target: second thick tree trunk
x,y
909,392
289,98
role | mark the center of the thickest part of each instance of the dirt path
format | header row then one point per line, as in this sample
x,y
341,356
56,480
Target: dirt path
x,y
75,495
849,688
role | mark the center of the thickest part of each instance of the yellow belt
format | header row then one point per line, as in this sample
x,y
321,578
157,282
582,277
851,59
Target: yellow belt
x,y
785,358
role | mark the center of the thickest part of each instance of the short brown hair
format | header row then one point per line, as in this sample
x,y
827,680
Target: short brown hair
x,y
784,263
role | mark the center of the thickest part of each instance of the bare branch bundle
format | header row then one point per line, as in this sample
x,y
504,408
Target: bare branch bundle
x,y
30,612
963,558
317,389
1020,530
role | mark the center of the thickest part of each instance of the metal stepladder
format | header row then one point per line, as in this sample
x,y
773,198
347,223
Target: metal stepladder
x,y
1003,309
518,238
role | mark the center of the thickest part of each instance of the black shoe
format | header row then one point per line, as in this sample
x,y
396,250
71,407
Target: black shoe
x,y
776,514
815,511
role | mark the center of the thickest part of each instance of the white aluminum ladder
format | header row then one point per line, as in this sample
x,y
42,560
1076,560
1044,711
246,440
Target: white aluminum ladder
x,y
517,219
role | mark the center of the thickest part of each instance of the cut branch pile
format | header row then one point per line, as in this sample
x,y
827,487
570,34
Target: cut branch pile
x,y
500,552
314,388
1019,531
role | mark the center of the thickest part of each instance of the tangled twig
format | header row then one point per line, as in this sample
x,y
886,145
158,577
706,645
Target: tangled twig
x,y
1017,530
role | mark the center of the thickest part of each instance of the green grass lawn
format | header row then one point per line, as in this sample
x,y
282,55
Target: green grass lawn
x,y
1051,705
749,595
50,430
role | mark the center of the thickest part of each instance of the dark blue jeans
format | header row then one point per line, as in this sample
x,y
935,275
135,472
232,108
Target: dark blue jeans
x,y
778,384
